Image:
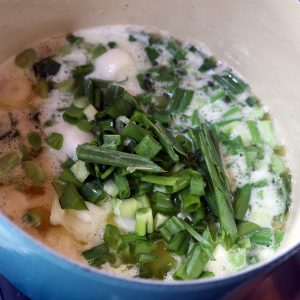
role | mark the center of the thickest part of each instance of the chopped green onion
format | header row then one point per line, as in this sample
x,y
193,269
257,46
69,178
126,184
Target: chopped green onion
x,y
142,247
81,71
176,50
112,237
32,218
68,163
112,45
126,208
162,117
161,180
253,259
176,169
124,251
92,191
241,202
132,38
193,267
244,243
252,101
208,64
55,140
197,186
132,162
24,151
166,139
34,173
231,83
201,239
185,143
145,98
234,146
42,88
143,188
162,203
190,202
152,54
46,67
97,256
207,274
59,187
254,132
145,81
111,188
237,258
162,189
232,111
65,49
66,85
90,112
155,38
97,50
266,127
217,94
120,101
134,132
9,161
195,119
183,181
68,177
180,243
278,165
108,172
85,125
123,185
181,99
230,122
71,199
144,221
200,213
159,219
170,227
278,237
75,40
80,171
261,183
26,58
221,202
262,237
131,237
146,258
148,147
81,102
34,140
251,154
143,201
111,141
246,227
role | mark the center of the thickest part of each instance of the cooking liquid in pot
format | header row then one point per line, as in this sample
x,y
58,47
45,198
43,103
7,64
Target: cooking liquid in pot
x,y
182,87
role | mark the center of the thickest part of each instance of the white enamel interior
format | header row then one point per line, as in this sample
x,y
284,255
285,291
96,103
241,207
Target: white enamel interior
x,y
258,38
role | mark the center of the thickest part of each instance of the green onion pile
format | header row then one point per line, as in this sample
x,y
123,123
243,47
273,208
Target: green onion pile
x,y
170,181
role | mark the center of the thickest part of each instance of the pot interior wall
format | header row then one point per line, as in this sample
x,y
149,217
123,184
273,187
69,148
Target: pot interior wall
x,y
259,38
